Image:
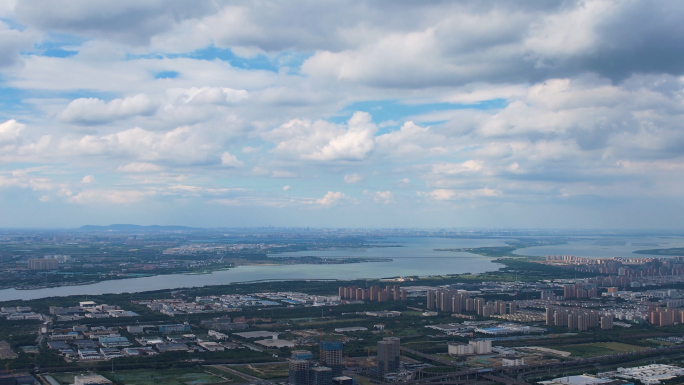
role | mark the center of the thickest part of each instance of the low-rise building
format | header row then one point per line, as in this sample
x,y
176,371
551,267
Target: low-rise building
x,y
135,329
109,353
513,362
585,379
171,329
88,354
91,379
217,335
473,347
343,380
649,374
18,378
113,341
384,313
171,347
211,346
275,343
351,329
257,334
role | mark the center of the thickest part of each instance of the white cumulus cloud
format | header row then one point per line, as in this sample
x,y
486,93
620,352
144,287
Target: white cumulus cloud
x,y
323,141
457,168
449,194
183,145
352,178
383,197
207,95
97,111
10,131
229,160
110,196
331,199
140,167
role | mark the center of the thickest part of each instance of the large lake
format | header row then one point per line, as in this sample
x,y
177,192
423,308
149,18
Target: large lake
x,y
416,257
605,247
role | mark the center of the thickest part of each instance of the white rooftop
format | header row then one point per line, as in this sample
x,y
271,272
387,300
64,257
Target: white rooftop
x,y
584,379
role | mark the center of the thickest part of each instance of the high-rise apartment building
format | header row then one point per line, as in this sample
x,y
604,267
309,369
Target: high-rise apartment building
x,y
331,356
320,375
389,353
43,264
299,372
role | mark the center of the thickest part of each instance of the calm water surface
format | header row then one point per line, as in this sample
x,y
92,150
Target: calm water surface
x,y
605,247
416,257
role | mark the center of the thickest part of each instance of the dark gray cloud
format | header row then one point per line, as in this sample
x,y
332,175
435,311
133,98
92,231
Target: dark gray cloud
x,y
12,42
627,38
485,41
126,21
468,41
640,37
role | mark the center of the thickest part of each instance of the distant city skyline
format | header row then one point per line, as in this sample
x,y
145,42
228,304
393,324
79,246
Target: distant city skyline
x,y
469,114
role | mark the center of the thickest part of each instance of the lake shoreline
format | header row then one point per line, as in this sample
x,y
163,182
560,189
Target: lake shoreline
x,y
373,263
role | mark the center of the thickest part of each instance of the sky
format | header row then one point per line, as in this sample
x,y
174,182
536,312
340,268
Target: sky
x,y
439,114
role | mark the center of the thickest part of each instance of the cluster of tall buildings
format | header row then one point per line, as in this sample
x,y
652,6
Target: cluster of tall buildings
x,y
565,259
656,268
627,267
580,290
661,316
43,264
578,319
454,302
550,295
303,372
331,356
612,281
373,293
594,265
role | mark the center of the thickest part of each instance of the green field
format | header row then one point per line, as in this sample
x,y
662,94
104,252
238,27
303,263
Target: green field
x,y
64,378
265,371
362,380
655,343
168,376
447,357
598,349
217,370
412,313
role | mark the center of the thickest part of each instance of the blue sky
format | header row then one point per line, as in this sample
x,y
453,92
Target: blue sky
x,y
366,114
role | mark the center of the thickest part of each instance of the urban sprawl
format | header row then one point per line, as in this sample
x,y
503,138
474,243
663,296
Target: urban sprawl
x,y
618,322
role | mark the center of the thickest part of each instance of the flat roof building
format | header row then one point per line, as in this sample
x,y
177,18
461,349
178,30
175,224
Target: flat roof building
x,y
92,379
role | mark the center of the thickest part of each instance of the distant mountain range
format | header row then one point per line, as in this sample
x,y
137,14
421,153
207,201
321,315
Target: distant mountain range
x,y
126,227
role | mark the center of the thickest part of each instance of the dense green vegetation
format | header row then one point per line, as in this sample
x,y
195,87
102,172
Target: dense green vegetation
x,y
194,375
265,371
100,256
